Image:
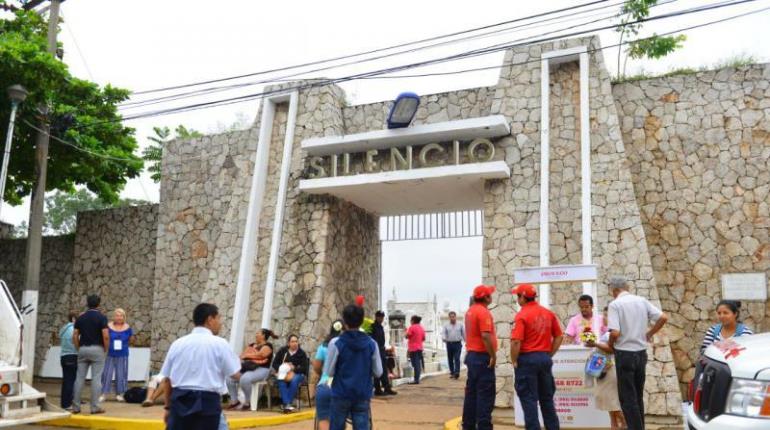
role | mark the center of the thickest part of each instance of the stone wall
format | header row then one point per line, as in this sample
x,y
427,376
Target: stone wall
x,y
55,281
699,153
114,257
512,206
6,230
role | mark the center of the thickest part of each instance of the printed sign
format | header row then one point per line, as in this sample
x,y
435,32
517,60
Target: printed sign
x,y
574,400
744,286
555,274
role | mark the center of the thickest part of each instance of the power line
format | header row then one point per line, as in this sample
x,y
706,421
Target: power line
x,y
284,78
467,54
77,47
373,51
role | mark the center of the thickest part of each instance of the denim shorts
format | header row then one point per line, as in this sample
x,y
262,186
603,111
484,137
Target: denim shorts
x,y
323,402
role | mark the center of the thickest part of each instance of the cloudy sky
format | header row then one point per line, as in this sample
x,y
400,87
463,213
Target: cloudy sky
x,y
145,45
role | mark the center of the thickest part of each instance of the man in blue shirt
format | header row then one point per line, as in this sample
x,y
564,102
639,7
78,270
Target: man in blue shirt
x,y
352,361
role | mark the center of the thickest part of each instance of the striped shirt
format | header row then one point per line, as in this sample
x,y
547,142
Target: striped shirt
x,y
714,334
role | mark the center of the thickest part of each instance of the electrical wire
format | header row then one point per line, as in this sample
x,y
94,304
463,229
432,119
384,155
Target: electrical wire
x,y
206,91
76,147
467,54
373,51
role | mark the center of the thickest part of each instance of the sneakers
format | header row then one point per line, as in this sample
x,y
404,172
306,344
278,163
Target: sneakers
x,y
390,393
97,411
379,393
120,398
102,398
287,409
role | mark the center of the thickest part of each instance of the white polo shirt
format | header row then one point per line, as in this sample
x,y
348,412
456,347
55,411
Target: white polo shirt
x,y
200,361
631,315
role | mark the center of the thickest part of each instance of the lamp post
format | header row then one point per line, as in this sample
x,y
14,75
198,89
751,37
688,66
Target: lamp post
x,y
17,94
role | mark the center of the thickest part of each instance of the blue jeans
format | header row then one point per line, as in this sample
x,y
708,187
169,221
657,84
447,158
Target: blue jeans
x,y
453,350
479,392
415,358
289,389
358,410
534,383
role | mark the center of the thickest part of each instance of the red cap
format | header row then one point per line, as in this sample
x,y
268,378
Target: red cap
x,y
360,301
483,291
527,290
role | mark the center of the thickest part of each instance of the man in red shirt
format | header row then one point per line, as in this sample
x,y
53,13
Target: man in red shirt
x,y
535,338
481,347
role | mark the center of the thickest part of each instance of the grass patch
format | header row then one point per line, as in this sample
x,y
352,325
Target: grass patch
x,y
739,60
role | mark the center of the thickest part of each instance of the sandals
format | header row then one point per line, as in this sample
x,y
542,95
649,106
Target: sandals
x,y
234,406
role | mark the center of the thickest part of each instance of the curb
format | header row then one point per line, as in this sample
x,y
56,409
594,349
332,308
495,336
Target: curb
x,y
453,424
114,423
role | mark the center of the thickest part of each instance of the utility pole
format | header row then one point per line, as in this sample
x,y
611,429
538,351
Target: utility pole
x,y
29,298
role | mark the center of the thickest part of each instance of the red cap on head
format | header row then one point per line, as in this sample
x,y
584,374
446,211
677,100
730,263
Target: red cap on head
x,y
360,301
483,291
527,290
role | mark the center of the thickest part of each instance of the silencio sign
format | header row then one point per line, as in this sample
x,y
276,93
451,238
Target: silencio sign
x,y
403,158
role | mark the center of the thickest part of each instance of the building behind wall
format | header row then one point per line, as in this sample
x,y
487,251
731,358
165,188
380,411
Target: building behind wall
x,y
680,189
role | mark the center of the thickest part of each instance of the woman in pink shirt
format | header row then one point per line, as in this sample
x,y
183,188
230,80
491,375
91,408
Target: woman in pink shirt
x,y
415,336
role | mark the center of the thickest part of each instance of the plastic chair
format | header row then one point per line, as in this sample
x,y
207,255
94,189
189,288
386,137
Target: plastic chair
x,y
256,389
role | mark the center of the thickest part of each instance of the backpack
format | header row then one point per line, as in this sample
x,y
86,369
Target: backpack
x,y
596,365
135,395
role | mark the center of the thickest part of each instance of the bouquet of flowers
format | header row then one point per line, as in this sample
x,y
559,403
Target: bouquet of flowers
x,y
588,336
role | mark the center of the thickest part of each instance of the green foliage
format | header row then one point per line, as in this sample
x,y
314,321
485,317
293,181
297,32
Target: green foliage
x,y
653,47
96,122
738,60
153,154
61,210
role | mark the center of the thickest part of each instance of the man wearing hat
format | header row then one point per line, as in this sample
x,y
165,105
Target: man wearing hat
x,y
481,347
535,338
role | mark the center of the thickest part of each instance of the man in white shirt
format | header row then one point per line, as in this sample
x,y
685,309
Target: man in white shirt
x,y
629,317
195,368
453,335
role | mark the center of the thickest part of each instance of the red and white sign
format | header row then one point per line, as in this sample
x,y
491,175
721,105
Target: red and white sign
x,y
555,274
574,401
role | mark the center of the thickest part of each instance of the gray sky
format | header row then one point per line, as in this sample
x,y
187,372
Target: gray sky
x,y
145,44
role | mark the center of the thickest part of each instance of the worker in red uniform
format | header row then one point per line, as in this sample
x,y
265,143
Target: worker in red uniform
x,y
535,338
480,359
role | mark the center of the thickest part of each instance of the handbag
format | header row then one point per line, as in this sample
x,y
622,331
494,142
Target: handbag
x,y
596,365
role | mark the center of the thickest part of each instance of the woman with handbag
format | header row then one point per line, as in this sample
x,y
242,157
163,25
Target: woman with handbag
x,y
606,387
291,367
255,367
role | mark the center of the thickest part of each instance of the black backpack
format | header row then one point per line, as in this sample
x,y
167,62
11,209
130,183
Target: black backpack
x,y
135,395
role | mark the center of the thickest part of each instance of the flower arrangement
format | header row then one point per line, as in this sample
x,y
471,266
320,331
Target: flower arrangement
x,y
588,336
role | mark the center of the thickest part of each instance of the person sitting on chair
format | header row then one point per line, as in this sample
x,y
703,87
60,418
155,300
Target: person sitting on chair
x,y
255,367
291,367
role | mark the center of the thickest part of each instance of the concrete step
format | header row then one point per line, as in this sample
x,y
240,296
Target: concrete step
x,y
42,416
18,398
22,412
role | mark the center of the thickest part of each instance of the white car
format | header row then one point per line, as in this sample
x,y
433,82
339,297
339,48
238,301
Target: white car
x,y
731,387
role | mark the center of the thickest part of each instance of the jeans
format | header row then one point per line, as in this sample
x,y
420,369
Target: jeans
x,y
383,382
453,350
89,356
415,357
630,367
289,389
323,402
358,410
69,371
534,383
479,392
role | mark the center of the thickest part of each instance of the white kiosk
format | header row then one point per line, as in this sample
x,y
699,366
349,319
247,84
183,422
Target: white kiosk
x,y
574,400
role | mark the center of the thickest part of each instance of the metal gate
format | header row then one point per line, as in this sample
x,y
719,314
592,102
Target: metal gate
x,y
437,225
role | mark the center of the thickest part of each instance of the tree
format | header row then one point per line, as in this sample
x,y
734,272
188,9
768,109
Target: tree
x,y
61,211
652,47
99,150
153,154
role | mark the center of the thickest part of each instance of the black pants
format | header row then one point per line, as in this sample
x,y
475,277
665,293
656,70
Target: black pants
x,y
194,410
479,392
383,382
69,370
631,367
453,350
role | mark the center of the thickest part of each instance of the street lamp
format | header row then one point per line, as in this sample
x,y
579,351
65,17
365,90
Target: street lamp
x,y
403,110
17,94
